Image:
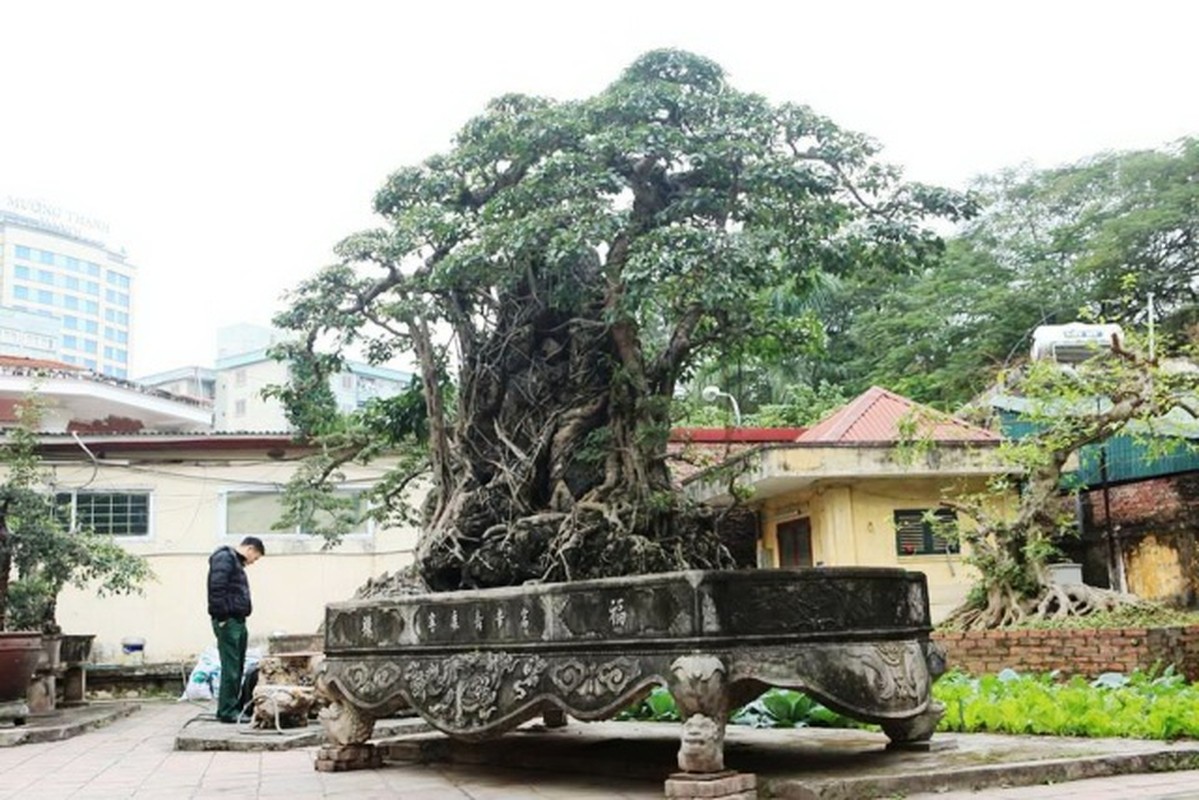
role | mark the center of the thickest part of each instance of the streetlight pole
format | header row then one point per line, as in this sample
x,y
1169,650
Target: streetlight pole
x,y
710,393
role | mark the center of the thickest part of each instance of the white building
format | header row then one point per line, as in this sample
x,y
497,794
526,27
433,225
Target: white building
x,y
244,369
143,466
56,264
174,498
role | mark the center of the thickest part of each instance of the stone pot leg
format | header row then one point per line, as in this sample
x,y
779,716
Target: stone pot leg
x,y
914,733
699,686
348,729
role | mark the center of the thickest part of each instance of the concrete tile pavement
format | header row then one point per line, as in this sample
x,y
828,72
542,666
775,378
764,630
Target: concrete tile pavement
x,y
133,758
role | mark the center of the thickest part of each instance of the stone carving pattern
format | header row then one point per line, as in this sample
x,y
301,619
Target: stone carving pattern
x,y
463,691
875,680
591,680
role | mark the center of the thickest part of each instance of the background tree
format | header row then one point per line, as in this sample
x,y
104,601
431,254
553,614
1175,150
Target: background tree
x,y
39,554
569,265
1091,239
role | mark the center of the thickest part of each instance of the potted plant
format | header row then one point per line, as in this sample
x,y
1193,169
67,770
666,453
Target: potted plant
x,y
40,555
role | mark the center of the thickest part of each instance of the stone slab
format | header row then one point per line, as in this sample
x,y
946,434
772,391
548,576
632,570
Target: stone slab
x,y
809,763
64,723
204,733
726,785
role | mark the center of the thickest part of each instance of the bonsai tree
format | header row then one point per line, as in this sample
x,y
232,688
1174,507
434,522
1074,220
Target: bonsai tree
x,y
556,276
39,555
1069,408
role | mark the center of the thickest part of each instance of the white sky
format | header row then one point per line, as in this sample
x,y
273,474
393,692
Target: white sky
x,y
231,144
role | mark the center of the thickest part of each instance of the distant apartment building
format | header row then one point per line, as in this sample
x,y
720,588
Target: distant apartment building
x,y
244,369
56,266
195,383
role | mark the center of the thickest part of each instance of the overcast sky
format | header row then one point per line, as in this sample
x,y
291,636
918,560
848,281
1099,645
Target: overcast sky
x,y
229,145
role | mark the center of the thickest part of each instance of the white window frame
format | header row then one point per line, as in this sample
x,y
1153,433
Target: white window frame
x,y
126,490
222,523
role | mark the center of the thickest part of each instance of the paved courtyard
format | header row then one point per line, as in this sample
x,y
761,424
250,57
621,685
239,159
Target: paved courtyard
x,y
134,758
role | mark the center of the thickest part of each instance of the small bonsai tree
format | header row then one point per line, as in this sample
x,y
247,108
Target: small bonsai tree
x,y
39,553
1124,392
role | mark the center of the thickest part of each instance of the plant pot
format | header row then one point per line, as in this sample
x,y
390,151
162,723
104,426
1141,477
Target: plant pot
x,y
20,652
1065,574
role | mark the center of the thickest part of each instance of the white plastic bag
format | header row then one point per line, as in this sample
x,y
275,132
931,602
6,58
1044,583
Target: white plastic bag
x,y
205,679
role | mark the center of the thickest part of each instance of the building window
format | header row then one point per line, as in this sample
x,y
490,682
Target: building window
x,y
72,283
239,408
70,323
91,307
46,257
20,292
70,342
21,271
90,363
91,326
89,346
70,301
347,381
254,513
93,270
917,535
91,287
45,296
239,378
24,252
112,513
45,276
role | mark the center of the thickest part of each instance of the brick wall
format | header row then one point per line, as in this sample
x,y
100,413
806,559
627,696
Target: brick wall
x,y
1086,652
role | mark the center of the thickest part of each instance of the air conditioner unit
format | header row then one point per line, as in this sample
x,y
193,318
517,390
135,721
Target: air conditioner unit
x,y
1070,344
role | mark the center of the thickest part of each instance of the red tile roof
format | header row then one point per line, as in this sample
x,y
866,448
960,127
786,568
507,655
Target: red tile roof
x,y
35,363
731,434
874,416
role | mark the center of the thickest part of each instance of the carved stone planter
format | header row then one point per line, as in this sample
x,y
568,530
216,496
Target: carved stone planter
x,y
477,663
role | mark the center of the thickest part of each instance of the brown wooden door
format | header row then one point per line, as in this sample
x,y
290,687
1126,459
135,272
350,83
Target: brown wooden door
x,y
795,543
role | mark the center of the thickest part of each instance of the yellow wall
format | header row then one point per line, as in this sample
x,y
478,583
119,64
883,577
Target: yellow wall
x,y
290,587
853,525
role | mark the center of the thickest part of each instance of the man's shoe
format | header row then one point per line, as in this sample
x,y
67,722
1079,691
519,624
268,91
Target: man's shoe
x,y
227,720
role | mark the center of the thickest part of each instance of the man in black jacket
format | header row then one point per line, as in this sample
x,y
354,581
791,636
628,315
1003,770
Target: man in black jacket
x,y
229,605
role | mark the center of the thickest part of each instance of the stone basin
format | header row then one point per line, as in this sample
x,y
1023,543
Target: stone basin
x,y
477,663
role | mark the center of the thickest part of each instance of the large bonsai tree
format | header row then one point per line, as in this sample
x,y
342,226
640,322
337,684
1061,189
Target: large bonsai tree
x,y
556,276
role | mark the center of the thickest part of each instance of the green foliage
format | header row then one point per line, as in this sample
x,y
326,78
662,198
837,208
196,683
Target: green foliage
x,y
46,556
1144,705
657,706
784,708
580,261
1088,240
777,708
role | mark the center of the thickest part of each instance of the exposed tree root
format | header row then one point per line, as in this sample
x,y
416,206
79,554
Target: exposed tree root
x,y
1005,609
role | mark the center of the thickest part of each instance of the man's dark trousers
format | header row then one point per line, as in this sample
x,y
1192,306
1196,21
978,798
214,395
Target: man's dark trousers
x,y
231,640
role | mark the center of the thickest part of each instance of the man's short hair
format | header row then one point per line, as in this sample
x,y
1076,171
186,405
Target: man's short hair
x,y
256,543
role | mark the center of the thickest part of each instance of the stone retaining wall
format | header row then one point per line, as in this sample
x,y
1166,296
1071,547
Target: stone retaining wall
x,y
1086,652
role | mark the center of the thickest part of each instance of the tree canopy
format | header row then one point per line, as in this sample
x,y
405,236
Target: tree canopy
x,y
557,275
1094,239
